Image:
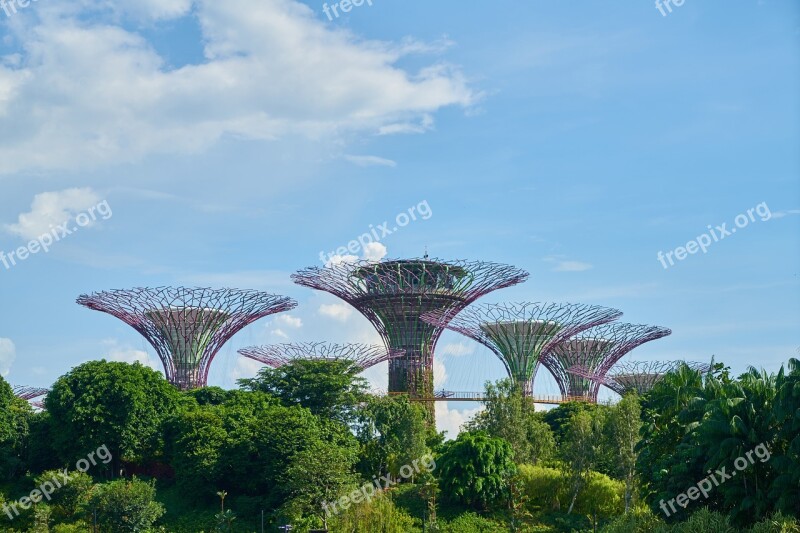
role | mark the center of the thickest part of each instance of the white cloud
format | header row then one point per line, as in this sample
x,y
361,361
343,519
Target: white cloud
x,y
451,420
338,259
244,368
781,214
289,321
8,352
563,265
81,93
114,351
439,374
457,349
424,125
153,9
370,161
279,333
340,312
572,266
49,209
374,251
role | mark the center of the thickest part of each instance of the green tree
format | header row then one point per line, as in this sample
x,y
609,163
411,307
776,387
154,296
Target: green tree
x,y
579,451
393,433
68,500
125,506
317,476
118,405
785,489
623,426
475,470
15,416
511,416
330,389
378,515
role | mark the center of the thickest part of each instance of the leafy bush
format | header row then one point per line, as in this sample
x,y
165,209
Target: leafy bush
x,y
67,500
638,520
380,515
125,506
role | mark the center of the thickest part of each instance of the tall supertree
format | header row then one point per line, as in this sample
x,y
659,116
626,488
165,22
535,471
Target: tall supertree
x,y
29,393
362,356
394,294
519,333
187,326
638,376
596,350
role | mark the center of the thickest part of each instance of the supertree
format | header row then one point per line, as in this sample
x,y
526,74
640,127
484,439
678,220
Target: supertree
x,y
394,294
596,350
638,376
187,326
29,393
363,356
519,333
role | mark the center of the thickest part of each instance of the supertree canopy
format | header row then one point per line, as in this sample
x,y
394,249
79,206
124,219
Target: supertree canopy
x,y
29,393
596,350
519,333
394,294
637,376
187,326
362,356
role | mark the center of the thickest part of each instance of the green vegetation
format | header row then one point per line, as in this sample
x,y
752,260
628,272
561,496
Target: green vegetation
x,y
306,445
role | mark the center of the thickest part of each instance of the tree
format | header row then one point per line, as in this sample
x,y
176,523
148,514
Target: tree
x,y
68,500
119,405
511,416
125,506
580,450
330,389
15,415
393,432
317,476
475,470
785,489
623,426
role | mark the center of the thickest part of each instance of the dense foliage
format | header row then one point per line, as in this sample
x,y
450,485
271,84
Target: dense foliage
x,y
306,445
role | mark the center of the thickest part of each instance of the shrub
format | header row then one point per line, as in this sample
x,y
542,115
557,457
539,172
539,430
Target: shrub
x,y
380,515
472,523
125,506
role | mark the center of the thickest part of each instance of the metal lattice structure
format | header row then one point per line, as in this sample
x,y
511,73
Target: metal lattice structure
x,y
520,333
596,350
29,393
362,356
394,294
636,376
187,326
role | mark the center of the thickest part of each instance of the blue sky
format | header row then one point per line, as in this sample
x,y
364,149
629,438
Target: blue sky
x,y
233,141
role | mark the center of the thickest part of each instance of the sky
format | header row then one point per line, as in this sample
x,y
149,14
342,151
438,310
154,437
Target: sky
x,y
610,150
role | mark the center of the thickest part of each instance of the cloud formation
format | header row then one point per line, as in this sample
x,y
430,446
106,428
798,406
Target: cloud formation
x,y
84,90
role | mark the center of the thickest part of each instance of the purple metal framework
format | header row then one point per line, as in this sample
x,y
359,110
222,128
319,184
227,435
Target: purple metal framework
x,y
596,350
637,376
520,333
187,326
29,393
394,294
362,355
